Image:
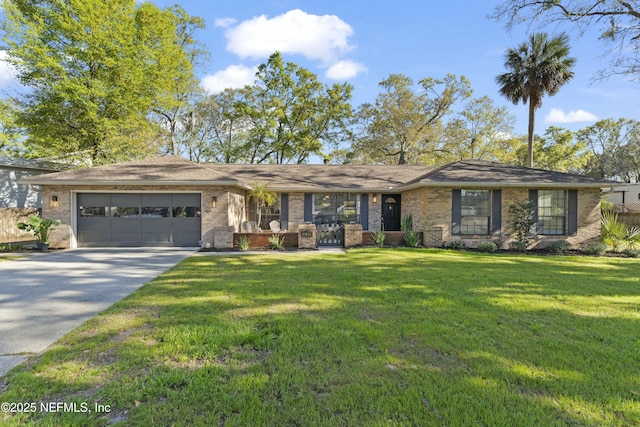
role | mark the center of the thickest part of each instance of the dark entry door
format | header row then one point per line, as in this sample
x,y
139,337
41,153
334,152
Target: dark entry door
x,y
391,212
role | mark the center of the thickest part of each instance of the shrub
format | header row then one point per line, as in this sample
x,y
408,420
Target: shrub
x,y
456,245
558,247
617,234
243,243
276,242
378,238
522,219
488,247
499,243
594,248
410,236
631,253
518,246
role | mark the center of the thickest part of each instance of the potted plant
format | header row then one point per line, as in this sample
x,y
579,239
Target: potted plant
x,y
41,229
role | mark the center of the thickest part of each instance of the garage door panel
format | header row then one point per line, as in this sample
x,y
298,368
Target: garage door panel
x,y
93,224
156,237
138,219
125,225
155,225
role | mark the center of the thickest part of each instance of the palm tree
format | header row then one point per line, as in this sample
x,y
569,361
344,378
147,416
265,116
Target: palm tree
x,y
263,197
538,67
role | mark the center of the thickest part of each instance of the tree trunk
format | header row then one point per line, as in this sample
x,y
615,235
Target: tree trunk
x,y
532,118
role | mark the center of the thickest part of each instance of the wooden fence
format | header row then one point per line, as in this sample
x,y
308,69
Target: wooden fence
x,y
9,219
629,218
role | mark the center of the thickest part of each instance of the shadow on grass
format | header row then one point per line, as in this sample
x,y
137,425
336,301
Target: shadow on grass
x,y
417,337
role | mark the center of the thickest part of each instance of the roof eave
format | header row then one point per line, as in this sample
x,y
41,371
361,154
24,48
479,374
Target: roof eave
x,y
499,184
75,182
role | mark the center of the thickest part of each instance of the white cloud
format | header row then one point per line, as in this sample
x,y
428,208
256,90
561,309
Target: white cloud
x,y
7,72
234,76
557,115
224,22
316,37
343,70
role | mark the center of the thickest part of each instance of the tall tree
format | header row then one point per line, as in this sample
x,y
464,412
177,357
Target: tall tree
x,y
615,145
537,68
617,21
184,89
479,131
558,150
215,130
95,71
291,113
404,125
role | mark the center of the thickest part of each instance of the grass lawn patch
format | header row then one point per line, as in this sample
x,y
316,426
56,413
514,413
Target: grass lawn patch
x,y
371,337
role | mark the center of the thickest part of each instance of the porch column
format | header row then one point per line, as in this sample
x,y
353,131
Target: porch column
x,y
306,236
352,235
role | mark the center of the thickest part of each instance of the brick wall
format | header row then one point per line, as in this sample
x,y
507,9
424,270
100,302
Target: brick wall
x,y
296,210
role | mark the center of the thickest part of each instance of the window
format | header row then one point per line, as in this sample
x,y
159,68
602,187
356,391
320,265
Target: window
x,y
342,208
93,211
475,211
186,212
552,212
269,212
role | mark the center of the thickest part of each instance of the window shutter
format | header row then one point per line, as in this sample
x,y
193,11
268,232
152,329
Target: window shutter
x,y
456,202
572,223
533,197
364,211
308,207
284,210
496,212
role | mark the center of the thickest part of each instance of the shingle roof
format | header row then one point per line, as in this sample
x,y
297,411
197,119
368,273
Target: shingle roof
x,y
322,177
485,173
29,164
160,170
177,170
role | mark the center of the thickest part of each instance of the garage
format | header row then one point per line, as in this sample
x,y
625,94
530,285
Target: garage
x,y
138,219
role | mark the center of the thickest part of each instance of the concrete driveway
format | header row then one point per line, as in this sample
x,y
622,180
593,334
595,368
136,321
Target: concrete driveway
x,y
44,296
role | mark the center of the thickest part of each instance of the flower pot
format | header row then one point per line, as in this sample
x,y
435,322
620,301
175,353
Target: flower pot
x,y
42,246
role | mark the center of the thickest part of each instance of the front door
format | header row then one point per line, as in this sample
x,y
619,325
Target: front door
x,y
391,212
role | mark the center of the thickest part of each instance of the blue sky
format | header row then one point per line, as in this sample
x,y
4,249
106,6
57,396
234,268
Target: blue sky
x,y
362,42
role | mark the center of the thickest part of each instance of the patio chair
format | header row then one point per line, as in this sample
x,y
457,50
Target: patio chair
x,y
275,226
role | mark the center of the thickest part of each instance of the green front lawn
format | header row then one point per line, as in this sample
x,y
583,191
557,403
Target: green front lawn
x,y
371,337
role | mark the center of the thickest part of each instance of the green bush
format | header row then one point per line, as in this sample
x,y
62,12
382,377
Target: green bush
x,y
558,247
594,248
631,253
276,242
518,246
243,243
456,244
499,243
522,220
488,247
378,238
410,236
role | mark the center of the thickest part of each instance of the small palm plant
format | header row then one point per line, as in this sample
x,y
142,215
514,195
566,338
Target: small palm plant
x,y
41,228
263,198
276,242
411,237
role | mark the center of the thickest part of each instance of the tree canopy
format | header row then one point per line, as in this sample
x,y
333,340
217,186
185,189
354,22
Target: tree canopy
x,y
405,124
537,68
94,71
617,22
615,145
291,113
